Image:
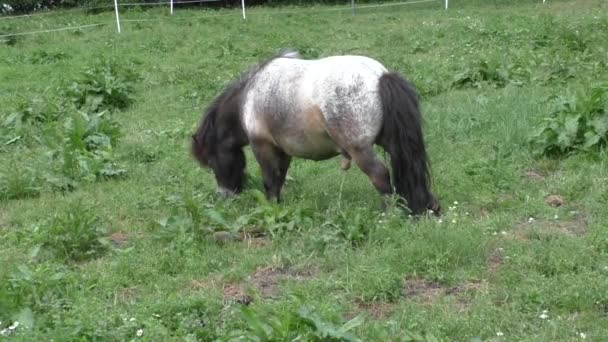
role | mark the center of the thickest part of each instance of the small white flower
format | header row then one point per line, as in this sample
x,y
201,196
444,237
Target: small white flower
x,y
499,333
531,219
494,233
583,335
440,221
555,217
132,319
503,232
3,332
155,315
453,221
455,202
140,332
14,326
544,315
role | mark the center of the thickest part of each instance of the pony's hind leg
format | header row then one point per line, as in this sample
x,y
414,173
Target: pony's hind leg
x,y
373,168
274,164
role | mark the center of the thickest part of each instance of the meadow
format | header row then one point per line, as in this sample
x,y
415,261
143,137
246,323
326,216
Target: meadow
x,y
109,230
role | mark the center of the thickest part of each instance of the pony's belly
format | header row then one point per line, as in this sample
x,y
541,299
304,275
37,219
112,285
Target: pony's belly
x,y
307,146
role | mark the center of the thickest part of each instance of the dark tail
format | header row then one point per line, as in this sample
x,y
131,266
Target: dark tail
x,y
402,138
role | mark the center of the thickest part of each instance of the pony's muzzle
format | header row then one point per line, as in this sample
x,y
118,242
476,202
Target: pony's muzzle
x,y
224,192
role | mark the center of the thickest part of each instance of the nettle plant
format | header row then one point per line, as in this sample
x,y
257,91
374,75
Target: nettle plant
x,y
105,86
83,149
578,123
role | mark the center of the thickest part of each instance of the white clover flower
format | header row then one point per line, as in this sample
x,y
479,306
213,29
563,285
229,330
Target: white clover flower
x,y
531,219
455,202
14,326
544,315
454,221
132,319
583,335
140,332
503,232
499,333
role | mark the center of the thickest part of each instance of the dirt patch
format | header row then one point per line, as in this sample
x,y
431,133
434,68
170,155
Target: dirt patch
x,y
125,295
484,213
555,200
535,175
569,227
256,242
232,292
235,293
496,259
121,239
428,292
424,290
376,310
267,279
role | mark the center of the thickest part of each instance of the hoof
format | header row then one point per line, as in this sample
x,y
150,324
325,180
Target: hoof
x,y
345,164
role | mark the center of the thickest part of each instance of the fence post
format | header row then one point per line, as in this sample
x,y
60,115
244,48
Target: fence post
x,y
243,5
117,17
446,4
171,7
352,4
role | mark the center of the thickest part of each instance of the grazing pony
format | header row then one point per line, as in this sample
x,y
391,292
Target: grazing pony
x,y
317,109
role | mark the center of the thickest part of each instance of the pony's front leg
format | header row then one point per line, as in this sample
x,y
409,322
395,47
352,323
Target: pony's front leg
x,y
274,164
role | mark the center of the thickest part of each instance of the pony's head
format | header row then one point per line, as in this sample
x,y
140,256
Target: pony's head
x,y
219,140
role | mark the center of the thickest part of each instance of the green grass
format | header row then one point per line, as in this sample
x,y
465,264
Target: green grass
x,y
106,232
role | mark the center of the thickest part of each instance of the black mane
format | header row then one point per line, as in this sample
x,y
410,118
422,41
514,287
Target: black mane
x,y
222,118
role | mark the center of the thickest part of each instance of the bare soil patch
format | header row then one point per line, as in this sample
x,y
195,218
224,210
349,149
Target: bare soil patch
x,y
428,292
125,295
235,293
121,239
267,279
555,200
535,175
376,310
256,242
496,259
574,227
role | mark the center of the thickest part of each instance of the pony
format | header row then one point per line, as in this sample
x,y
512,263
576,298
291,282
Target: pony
x,y
288,107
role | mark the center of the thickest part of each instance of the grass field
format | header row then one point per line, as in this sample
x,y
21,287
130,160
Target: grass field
x,y
110,231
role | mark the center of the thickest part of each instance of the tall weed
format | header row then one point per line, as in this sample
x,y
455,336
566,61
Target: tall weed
x,y
578,123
